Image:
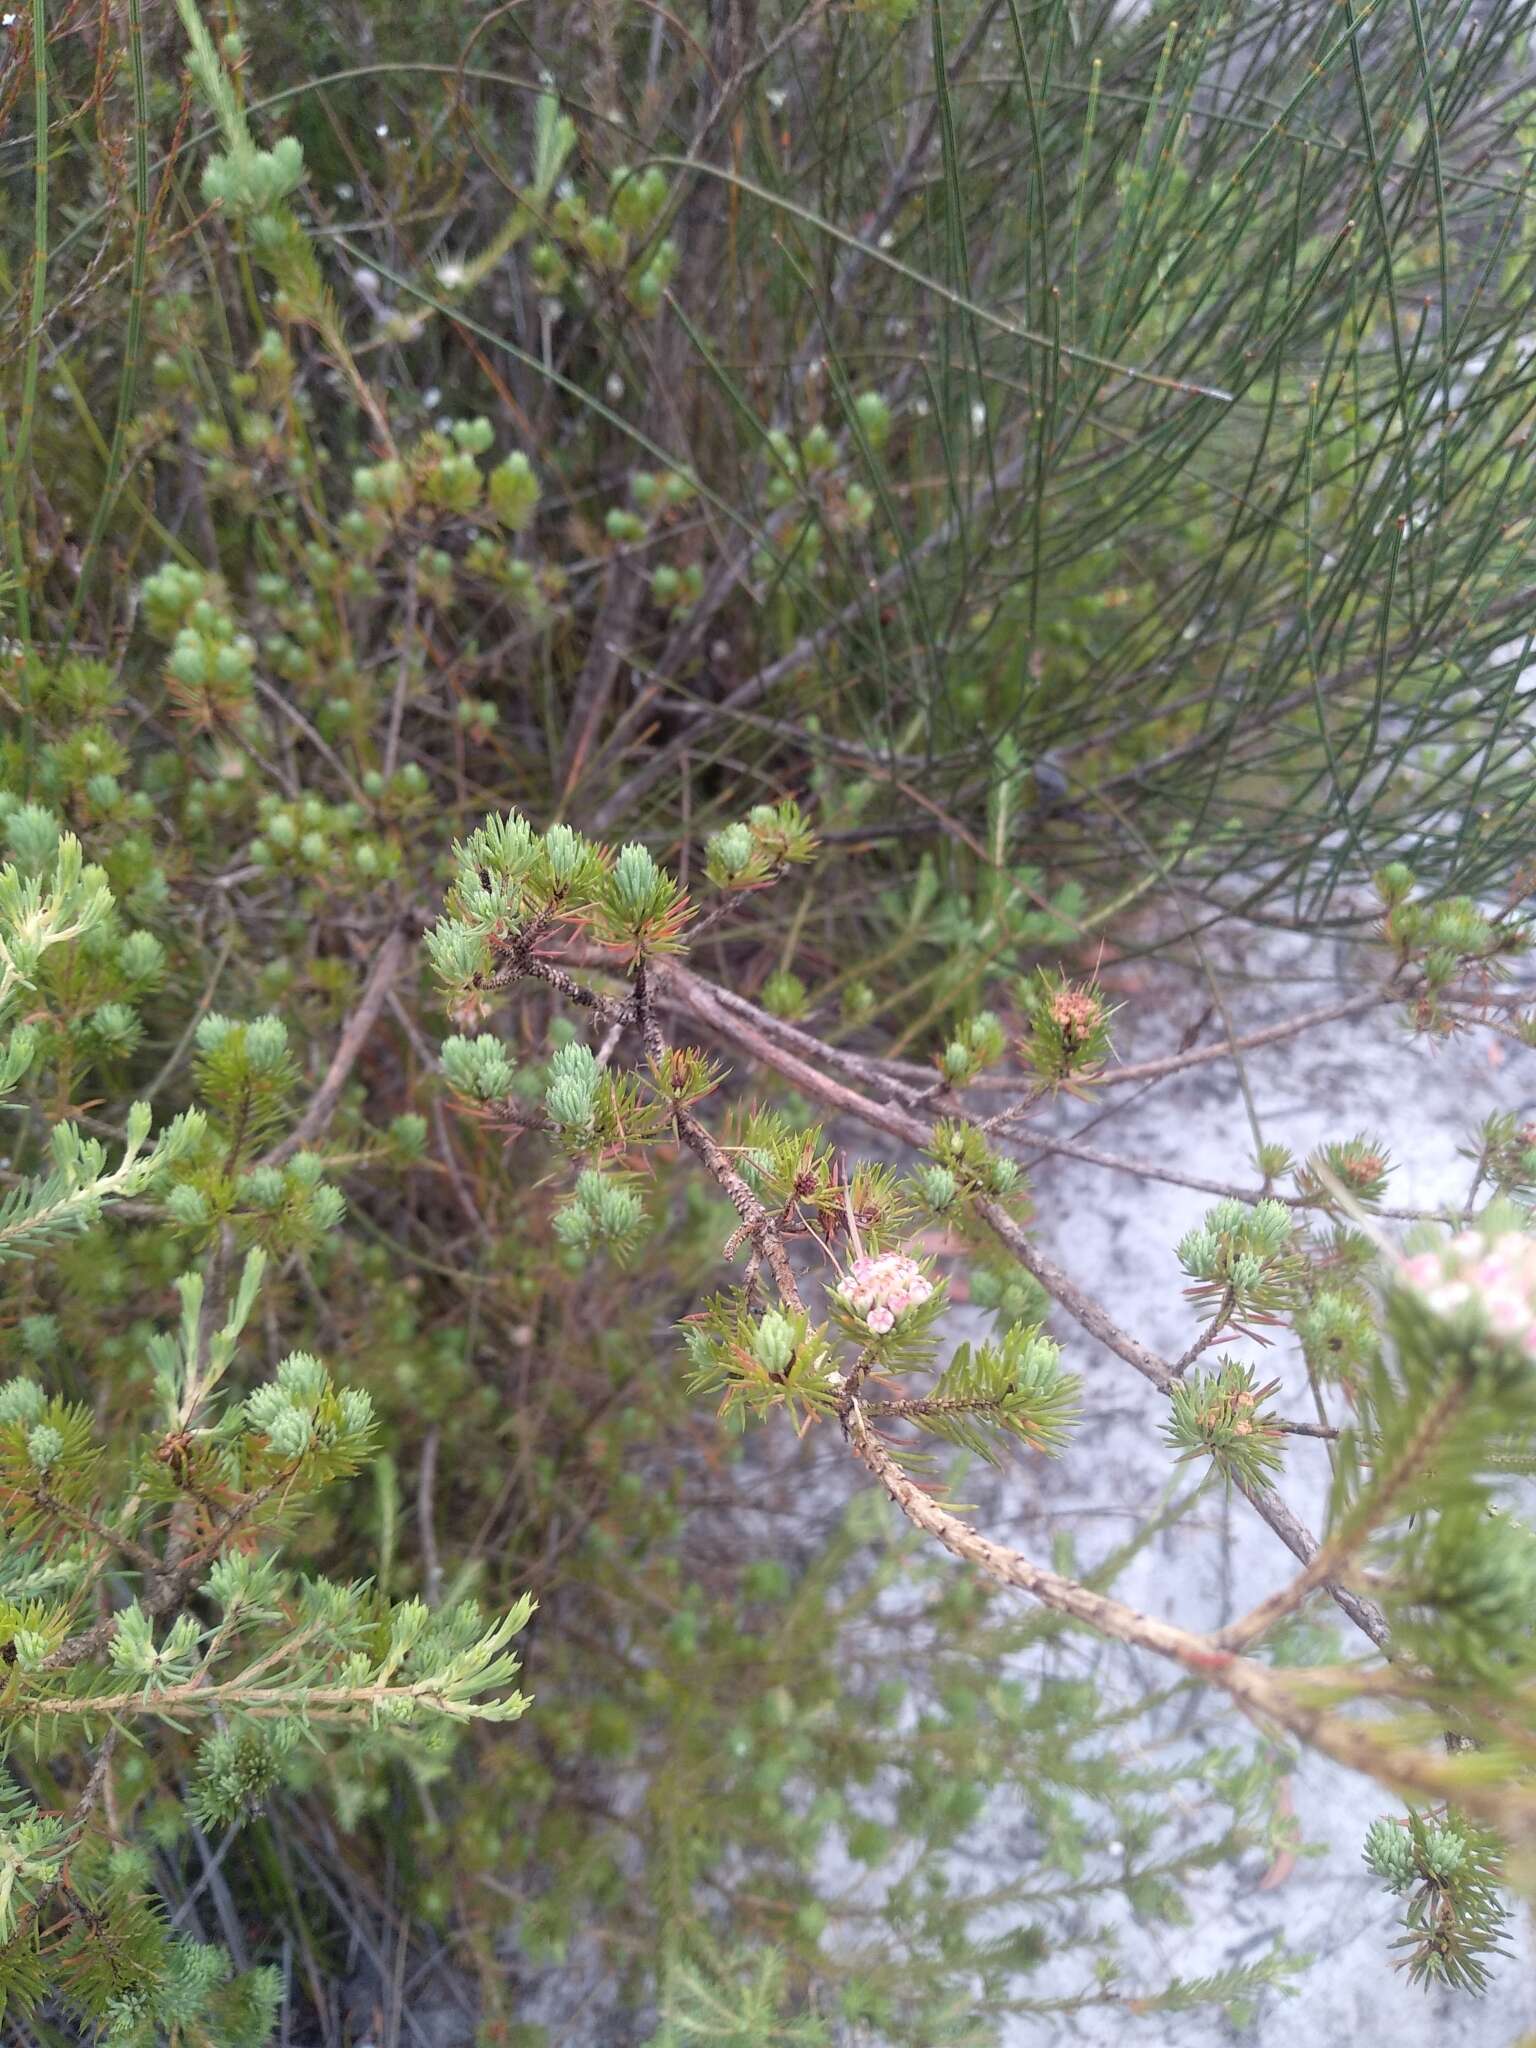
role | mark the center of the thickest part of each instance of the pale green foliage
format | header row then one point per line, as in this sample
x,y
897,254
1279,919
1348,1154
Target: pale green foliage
x,y
1467,1590
760,1365
290,1661
40,913
1015,1388
33,1845
80,1183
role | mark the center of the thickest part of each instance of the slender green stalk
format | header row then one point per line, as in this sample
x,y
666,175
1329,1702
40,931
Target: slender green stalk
x,y
133,336
15,455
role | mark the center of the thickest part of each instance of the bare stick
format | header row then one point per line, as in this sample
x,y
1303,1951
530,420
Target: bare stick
x,y
354,1036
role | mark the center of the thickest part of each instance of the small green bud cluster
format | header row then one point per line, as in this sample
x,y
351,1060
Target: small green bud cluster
x,y
53,907
676,589
636,884
976,1169
1221,1414
288,1208
322,843
1010,1292
33,834
39,1334
135,1653
535,589
638,905
784,995
604,1212
36,1845
382,487
1017,1388
82,769
1443,940
246,1075
657,499
978,1043
112,1031
938,1188
1394,883
1274,1161
810,471
254,181
168,596
1245,1254
506,874
407,1136
637,199
1339,1336
62,903
236,1771
441,479
759,1364
1389,1852
756,850
301,1407
478,1068
618,243
774,1342
403,794
856,1002
729,854
261,1045
873,414
45,1447
21,1402
452,481
571,1095
209,668
476,715
1448,1871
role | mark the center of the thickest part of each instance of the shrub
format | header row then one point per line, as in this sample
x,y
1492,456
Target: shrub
x,y
874,559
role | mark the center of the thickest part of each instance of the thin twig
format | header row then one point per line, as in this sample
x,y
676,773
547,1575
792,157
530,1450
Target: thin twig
x,y
354,1036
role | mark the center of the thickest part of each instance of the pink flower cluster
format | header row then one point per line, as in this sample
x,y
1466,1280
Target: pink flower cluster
x,y
1493,1277
878,1289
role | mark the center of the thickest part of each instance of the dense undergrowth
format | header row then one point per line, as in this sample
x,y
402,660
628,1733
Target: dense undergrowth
x,y
980,469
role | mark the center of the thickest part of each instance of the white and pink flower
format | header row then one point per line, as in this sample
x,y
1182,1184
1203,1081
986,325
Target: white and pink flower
x,y
879,1289
1493,1279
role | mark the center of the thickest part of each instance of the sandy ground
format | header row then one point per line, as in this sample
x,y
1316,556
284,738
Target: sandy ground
x,y
1114,1234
